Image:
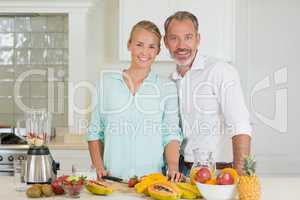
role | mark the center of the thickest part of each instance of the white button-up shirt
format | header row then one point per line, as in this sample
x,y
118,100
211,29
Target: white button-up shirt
x,y
212,108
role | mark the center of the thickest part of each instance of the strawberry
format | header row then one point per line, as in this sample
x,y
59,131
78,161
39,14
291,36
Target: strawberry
x,y
57,185
133,181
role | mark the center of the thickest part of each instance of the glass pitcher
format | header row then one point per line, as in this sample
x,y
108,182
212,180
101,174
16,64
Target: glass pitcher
x,y
202,158
38,127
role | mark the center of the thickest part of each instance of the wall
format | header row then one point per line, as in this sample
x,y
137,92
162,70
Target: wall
x,y
29,43
269,58
110,35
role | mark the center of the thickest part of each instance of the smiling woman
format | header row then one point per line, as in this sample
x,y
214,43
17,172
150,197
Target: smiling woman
x,y
136,117
144,45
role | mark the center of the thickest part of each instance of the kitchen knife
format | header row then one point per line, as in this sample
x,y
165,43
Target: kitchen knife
x,y
113,178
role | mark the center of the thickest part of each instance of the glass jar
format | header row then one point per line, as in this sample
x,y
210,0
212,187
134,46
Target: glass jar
x,y
19,174
38,127
202,158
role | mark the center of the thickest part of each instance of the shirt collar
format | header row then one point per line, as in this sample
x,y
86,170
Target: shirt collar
x,y
151,77
198,64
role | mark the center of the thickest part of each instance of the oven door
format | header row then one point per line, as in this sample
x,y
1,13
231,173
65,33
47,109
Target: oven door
x,y
6,170
9,153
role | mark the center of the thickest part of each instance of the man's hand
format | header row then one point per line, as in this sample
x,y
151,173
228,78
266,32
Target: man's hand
x,y
239,169
241,148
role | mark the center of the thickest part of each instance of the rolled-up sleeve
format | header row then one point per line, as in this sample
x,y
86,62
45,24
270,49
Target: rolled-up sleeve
x,y
232,103
170,122
96,126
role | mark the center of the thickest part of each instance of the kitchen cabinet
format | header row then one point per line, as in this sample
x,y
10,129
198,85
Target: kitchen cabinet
x,y
82,47
133,11
67,158
216,23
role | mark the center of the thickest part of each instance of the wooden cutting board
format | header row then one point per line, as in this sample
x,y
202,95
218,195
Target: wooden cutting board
x,y
121,187
124,189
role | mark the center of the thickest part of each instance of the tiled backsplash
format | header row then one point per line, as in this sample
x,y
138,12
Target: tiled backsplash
x,y
33,42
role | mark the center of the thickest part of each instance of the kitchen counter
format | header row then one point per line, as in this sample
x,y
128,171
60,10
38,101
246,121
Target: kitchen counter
x,y
7,191
64,140
273,188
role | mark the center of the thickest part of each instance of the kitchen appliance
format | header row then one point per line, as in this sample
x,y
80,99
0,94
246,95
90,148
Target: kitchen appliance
x,y
41,168
11,147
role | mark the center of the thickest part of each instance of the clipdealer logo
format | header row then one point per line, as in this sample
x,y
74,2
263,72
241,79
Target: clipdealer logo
x,y
280,120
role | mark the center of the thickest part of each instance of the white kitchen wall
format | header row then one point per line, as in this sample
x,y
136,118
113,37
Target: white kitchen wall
x,y
269,60
267,40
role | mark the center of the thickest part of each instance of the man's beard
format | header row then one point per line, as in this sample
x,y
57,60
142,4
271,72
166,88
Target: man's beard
x,y
183,63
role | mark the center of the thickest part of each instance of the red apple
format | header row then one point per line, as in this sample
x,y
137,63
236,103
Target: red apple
x,y
203,175
225,179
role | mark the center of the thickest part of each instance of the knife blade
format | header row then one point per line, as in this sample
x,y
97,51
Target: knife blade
x,y
115,179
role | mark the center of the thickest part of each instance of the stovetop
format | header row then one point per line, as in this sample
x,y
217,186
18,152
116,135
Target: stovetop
x,y
8,136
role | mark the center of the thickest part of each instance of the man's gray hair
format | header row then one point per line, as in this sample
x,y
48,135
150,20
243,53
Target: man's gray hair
x,y
180,16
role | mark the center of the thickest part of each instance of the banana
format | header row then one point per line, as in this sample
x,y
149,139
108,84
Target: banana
x,y
147,181
189,187
188,195
154,176
142,186
98,187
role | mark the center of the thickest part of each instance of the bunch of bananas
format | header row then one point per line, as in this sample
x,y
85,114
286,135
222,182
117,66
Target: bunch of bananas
x,y
188,190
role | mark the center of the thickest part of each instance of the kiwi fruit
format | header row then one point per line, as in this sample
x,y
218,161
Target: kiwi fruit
x,y
39,190
37,185
47,190
34,192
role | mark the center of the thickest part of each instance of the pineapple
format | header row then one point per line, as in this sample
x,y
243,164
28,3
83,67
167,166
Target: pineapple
x,y
249,185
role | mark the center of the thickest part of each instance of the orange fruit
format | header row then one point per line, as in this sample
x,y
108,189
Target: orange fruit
x,y
212,181
232,172
193,175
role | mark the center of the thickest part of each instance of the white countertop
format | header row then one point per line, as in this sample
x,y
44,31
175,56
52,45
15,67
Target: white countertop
x,y
273,188
64,140
7,192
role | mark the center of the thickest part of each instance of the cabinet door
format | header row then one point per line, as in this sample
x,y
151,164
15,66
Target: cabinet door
x,y
133,11
67,158
216,23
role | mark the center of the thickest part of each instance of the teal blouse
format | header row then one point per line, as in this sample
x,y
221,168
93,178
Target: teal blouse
x,y
134,128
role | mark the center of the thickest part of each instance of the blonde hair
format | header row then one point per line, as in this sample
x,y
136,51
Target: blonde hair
x,y
146,25
180,16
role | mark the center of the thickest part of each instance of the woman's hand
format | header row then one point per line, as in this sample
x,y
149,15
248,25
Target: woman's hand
x,y
100,171
96,151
